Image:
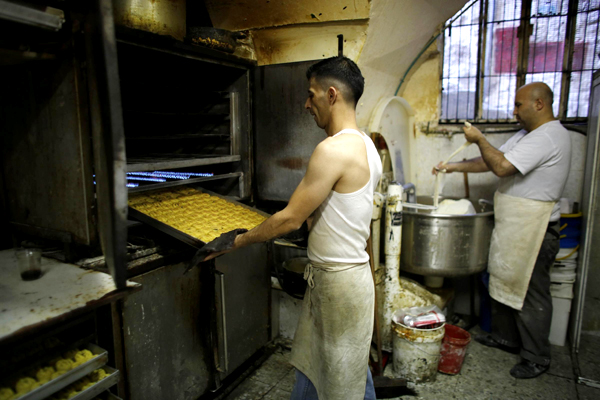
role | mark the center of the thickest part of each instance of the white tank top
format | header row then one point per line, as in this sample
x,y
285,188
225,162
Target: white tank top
x,y
342,222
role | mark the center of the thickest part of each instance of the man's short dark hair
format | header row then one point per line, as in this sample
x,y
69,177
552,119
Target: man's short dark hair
x,y
341,69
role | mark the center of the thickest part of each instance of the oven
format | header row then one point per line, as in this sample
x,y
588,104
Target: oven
x,y
95,113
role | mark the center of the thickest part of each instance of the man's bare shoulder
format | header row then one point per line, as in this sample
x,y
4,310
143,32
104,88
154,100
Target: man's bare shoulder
x,y
342,146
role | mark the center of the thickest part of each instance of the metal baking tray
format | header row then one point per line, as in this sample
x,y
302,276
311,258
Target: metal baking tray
x,y
53,386
100,386
177,234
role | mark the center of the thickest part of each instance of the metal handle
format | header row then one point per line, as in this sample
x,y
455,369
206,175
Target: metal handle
x,y
221,286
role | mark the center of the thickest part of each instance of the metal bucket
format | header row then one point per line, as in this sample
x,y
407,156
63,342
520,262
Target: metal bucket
x,y
416,352
445,245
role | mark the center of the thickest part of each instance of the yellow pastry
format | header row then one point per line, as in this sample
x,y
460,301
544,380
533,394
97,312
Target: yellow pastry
x,y
6,393
57,374
97,375
44,374
80,384
70,354
64,365
24,384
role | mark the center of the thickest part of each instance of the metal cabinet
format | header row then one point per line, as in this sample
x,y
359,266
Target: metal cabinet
x,y
167,329
242,287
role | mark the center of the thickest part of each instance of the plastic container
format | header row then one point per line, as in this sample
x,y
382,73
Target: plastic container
x,y
454,349
567,254
561,290
570,230
416,352
561,309
564,276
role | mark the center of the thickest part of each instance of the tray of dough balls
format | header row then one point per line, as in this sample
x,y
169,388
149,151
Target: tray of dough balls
x,y
193,216
78,374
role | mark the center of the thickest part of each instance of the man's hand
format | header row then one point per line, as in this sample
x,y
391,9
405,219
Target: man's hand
x,y
448,168
236,242
472,134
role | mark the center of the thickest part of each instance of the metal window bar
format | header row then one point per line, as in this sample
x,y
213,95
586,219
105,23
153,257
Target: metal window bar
x,y
593,7
452,111
481,54
548,17
581,16
568,59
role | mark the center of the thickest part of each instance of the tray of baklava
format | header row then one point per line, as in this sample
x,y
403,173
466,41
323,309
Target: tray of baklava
x,y
191,215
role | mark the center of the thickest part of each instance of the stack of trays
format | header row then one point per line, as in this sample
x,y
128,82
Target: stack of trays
x,y
79,374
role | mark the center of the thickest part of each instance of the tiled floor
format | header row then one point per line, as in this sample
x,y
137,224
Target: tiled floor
x,y
484,375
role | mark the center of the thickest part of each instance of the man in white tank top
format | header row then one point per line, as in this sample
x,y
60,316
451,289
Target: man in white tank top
x,y
331,346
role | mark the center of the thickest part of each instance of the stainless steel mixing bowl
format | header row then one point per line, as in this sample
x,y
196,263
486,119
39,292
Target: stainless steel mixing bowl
x,y
445,245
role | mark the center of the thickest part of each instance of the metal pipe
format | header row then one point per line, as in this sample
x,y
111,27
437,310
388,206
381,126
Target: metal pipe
x,y
378,199
393,239
411,192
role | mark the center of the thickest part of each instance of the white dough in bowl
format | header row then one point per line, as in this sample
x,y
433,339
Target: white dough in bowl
x,y
456,207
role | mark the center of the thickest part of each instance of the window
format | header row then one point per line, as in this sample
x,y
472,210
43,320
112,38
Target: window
x,y
492,47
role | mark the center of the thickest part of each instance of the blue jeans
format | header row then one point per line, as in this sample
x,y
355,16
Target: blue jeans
x,y
305,390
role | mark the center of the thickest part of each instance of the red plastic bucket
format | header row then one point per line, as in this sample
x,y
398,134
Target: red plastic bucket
x,y
454,348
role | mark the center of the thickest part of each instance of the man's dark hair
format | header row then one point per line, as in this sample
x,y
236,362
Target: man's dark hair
x,y
341,69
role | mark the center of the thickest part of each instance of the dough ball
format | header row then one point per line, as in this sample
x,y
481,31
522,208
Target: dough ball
x,y
70,354
80,384
24,384
6,393
456,207
44,374
64,365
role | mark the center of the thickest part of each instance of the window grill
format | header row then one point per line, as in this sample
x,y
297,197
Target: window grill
x,y
492,47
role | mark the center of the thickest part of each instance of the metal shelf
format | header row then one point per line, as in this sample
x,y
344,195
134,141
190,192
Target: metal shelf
x,y
101,386
184,182
69,377
14,57
153,164
30,16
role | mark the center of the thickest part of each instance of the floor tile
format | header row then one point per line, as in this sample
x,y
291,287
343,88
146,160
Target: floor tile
x,y
547,387
287,382
277,394
273,370
589,356
561,365
250,390
588,393
484,375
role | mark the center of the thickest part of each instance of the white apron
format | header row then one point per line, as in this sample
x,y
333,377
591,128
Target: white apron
x,y
520,226
333,338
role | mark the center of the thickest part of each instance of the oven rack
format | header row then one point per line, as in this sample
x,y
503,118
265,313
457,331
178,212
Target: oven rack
x,y
185,182
141,164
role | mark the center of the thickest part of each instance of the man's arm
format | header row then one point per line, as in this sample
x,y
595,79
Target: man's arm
x,y
321,175
472,165
492,157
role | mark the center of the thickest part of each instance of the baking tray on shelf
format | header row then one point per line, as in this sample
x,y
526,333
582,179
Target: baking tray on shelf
x,y
109,396
101,386
177,234
53,386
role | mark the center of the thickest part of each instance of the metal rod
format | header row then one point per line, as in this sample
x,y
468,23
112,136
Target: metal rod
x,y
221,277
29,16
481,42
173,164
340,45
184,182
